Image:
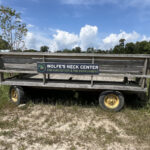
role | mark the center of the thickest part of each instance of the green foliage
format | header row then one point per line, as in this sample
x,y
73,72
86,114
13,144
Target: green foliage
x,y
121,41
4,96
142,47
30,50
76,50
44,49
67,50
3,44
12,28
18,50
130,48
90,50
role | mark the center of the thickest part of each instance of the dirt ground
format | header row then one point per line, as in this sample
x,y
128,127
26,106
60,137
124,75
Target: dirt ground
x,y
58,127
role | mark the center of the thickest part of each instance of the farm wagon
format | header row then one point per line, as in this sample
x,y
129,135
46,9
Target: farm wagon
x,y
111,75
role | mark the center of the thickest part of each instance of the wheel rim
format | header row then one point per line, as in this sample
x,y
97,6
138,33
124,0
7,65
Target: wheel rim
x,y
14,95
111,101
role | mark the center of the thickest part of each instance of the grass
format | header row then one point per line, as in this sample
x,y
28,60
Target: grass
x,y
72,108
135,123
7,133
4,96
9,124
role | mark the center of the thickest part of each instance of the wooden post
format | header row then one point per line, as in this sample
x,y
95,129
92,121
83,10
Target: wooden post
x,y
44,75
48,76
144,72
44,78
92,75
1,77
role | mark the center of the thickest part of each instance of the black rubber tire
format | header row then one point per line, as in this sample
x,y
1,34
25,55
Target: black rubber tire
x,y
117,93
20,92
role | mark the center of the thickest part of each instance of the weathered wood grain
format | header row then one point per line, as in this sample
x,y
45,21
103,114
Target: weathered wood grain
x,y
111,65
73,85
18,71
30,60
101,74
144,72
87,55
20,60
103,68
44,78
21,66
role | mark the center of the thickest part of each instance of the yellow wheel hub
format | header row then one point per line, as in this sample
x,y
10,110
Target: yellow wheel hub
x,y
14,95
111,101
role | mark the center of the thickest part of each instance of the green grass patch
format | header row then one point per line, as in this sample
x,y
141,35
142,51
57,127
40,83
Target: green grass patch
x,y
4,96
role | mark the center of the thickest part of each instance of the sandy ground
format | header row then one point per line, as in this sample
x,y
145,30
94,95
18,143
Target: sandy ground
x,y
50,127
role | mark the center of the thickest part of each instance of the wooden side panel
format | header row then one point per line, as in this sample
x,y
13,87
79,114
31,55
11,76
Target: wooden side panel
x,y
30,60
27,62
103,69
75,85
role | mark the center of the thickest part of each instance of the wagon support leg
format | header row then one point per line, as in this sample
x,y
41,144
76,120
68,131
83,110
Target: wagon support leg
x,y
1,77
44,78
144,72
48,76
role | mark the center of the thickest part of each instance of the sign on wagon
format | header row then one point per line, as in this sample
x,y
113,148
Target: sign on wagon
x,y
68,68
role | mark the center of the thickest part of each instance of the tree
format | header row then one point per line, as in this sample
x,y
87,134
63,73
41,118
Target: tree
x,y
30,50
3,44
13,30
66,50
121,41
142,47
44,49
76,50
90,50
119,49
130,48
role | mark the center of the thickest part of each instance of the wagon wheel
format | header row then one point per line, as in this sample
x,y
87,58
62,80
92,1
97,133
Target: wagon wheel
x,y
111,100
16,95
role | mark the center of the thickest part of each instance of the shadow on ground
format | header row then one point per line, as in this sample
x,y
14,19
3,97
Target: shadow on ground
x,y
62,97
80,98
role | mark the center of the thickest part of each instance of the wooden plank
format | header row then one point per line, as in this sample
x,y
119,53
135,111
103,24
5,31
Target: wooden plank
x,y
121,72
77,85
121,68
144,72
125,75
30,60
47,54
20,60
103,69
21,66
44,75
119,61
92,75
18,71
48,76
44,79
101,74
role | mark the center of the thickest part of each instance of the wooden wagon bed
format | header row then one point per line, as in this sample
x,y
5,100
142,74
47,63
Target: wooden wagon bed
x,y
116,72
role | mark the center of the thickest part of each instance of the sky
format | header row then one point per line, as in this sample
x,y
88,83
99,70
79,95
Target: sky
x,y
99,24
